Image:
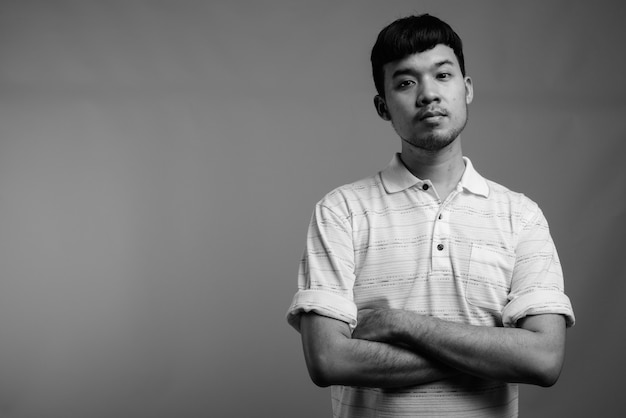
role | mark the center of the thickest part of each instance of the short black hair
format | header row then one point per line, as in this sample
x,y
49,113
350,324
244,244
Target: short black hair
x,y
410,35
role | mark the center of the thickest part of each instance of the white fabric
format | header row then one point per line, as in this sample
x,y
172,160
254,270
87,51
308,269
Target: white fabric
x,y
484,256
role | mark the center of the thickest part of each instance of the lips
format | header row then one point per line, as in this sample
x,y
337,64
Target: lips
x,y
430,113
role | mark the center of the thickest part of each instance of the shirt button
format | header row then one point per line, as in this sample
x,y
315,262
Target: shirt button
x,y
425,187
440,247
440,216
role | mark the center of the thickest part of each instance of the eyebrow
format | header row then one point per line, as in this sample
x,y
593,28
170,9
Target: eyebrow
x,y
410,71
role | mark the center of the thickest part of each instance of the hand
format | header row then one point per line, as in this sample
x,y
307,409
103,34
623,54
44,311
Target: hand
x,y
375,325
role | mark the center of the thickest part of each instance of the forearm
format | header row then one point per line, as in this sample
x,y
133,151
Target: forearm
x,y
340,360
372,364
533,355
507,354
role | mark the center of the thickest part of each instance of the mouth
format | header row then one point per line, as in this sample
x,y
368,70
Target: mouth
x,y
431,115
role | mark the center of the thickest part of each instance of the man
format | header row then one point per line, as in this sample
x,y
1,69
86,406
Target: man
x,y
427,290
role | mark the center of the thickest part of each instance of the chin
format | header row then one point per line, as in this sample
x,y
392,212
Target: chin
x,y
431,142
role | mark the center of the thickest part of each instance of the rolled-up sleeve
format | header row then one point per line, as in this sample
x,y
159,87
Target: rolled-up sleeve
x,y
537,284
326,272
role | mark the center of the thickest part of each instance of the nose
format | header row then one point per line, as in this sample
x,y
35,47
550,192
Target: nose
x,y
428,93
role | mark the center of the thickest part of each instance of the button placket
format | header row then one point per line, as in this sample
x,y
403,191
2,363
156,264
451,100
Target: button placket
x,y
440,244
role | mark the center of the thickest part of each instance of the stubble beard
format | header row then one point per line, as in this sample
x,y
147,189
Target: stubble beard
x,y
433,142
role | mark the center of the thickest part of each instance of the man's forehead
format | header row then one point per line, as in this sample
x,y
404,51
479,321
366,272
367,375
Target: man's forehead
x,y
437,56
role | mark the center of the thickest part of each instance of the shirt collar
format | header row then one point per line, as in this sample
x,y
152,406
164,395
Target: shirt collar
x,y
396,177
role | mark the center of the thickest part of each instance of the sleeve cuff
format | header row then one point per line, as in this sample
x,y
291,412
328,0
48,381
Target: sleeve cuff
x,y
537,303
323,303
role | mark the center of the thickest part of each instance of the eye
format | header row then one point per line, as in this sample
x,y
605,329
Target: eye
x,y
405,84
444,76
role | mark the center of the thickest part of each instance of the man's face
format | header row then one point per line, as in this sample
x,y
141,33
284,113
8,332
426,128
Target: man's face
x,y
426,98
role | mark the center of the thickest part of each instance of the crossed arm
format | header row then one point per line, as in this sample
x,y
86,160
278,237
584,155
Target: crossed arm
x,y
396,348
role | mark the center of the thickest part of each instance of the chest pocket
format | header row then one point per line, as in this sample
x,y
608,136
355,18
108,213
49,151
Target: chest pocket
x,y
489,277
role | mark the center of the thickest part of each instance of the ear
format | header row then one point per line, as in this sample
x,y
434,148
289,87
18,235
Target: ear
x,y
469,90
381,108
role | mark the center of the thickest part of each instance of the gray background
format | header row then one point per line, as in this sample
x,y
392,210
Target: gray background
x,y
159,162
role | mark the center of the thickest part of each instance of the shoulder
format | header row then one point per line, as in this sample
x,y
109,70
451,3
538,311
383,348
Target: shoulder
x,y
502,193
345,198
519,205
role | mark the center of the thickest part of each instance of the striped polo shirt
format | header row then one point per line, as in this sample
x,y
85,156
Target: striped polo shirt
x,y
484,256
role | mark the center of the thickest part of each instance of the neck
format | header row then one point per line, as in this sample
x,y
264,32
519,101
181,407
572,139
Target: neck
x,y
444,167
